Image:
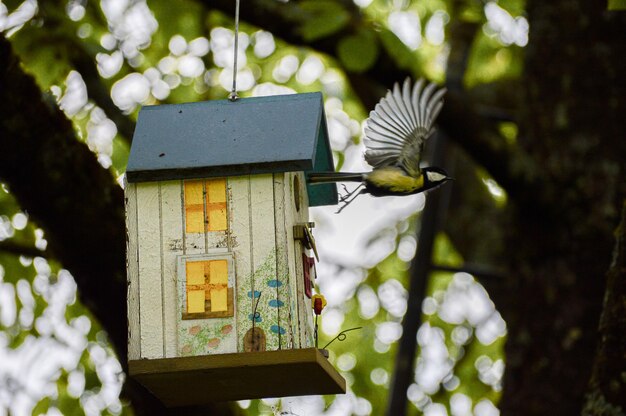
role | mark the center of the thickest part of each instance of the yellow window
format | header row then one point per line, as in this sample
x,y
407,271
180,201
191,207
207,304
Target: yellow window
x,y
195,273
205,214
195,301
194,207
216,190
208,294
218,272
219,300
216,204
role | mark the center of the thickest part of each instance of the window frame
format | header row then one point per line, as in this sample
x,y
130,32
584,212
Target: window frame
x,y
182,280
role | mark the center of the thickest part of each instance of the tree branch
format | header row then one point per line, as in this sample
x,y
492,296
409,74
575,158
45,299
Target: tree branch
x,y
84,63
37,141
9,246
80,54
74,200
78,204
431,220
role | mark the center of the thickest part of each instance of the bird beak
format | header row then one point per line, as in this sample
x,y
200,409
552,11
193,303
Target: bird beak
x,y
450,179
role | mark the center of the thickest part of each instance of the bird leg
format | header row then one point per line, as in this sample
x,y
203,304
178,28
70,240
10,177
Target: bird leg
x,y
347,192
349,196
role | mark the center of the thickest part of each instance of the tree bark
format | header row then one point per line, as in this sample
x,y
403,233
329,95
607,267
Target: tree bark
x,y
559,237
606,394
59,182
61,185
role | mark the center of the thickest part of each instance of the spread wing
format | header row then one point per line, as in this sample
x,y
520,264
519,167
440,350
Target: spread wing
x,y
400,123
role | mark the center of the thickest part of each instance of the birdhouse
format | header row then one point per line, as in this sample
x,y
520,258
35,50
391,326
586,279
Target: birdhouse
x,y
220,250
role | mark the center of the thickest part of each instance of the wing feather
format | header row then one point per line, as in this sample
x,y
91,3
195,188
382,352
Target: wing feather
x,y
388,111
406,99
426,93
382,134
377,119
380,158
400,123
401,112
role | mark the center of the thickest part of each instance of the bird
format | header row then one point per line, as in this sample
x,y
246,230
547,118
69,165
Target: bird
x,y
394,137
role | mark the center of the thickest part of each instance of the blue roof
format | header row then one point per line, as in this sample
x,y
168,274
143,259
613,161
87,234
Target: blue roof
x,y
281,133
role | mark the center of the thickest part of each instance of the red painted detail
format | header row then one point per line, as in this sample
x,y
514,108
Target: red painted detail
x,y
308,263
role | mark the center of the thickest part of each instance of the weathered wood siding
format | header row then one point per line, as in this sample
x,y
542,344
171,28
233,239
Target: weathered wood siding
x,y
301,216
290,220
132,268
266,261
150,270
171,248
286,312
240,221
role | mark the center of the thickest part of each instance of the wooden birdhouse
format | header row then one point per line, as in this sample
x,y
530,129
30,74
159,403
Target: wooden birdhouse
x,y
220,251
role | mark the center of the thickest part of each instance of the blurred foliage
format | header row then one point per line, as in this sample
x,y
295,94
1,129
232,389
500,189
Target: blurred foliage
x,y
46,335
139,40
617,5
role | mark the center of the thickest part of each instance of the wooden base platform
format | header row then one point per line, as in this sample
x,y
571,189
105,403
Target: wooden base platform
x,y
189,381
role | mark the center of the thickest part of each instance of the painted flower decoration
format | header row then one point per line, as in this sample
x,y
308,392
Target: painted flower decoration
x,y
318,302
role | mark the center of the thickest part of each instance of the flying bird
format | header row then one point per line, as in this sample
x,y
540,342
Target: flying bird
x,y
395,133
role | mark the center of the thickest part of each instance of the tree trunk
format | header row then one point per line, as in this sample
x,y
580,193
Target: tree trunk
x,y
607,388
559,240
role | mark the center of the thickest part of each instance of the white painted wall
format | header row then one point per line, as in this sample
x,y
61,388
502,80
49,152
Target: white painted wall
x,y
261,214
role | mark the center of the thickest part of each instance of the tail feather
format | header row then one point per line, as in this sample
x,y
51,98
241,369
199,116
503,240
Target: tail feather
x,y
323,177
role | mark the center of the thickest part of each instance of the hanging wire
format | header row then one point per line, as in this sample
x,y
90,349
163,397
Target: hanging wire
x,y
233,93
341,336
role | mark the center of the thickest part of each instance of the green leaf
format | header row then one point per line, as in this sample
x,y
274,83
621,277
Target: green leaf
x,y
617,5
120,155
402,55
42,407
47,61
340,158
358,52
321,19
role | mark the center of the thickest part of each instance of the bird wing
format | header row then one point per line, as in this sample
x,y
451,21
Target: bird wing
x,y
400,123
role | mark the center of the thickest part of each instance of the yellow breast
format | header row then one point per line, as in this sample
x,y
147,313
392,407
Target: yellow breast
x,y
395,180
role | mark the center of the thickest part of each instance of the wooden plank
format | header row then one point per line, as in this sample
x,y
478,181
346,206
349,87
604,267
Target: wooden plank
x,y
216,192
301,216
240,244
132,268
290,220
150,284
227,377
194,242
285,311
172,247
307,309
264,256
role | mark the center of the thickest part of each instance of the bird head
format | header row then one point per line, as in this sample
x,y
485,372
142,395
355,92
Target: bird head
x,y
435,176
